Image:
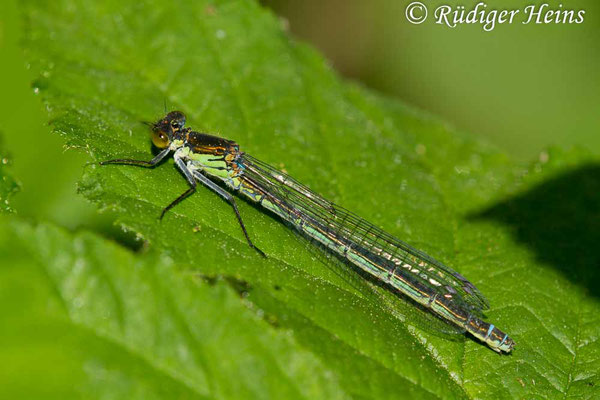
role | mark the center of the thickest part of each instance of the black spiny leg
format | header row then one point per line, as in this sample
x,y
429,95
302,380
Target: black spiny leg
x,y
239,218
188,176
178,200
141,163
229,198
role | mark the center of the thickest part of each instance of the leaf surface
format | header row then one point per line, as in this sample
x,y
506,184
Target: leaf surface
x,y
117,325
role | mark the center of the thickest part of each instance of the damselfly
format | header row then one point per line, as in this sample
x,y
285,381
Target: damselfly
x,y
206,158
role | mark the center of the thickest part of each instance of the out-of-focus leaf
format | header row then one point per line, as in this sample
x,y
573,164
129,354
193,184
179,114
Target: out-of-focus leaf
x,y
96,321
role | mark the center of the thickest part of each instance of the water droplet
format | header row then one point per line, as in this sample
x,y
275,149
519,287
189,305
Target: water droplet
x,y
220,34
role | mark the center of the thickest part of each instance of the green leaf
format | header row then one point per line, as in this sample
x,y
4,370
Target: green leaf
x,y
119,326
104,67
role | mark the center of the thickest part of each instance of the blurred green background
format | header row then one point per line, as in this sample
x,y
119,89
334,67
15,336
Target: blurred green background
x,y
522,87
46,171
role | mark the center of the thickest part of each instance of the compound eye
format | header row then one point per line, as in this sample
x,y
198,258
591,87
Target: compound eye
x,y
160,139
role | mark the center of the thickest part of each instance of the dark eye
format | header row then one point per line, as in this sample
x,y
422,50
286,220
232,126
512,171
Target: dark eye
x,y
160,139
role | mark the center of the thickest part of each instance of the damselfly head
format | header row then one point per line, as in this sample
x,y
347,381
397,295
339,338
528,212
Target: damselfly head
x,y
176,119
167,128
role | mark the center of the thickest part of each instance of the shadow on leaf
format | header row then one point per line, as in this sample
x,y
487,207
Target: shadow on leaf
x,y
560,220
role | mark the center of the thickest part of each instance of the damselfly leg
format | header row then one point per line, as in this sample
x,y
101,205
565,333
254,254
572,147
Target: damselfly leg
x,y
191,177
142,163
229,198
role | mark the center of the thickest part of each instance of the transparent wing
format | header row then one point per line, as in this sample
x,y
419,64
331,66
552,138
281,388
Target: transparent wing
x,y
310,205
